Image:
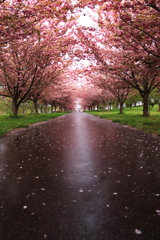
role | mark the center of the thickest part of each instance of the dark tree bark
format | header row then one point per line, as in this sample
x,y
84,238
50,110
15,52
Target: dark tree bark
x,y
15,107
35,106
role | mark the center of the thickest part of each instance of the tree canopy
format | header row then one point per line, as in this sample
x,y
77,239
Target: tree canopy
x,y
48,54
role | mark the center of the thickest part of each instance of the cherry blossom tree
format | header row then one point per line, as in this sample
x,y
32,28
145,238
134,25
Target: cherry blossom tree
x,y
118,88
60,94
20,18
126,49
37,38
138,25
112,84
134,30
29,65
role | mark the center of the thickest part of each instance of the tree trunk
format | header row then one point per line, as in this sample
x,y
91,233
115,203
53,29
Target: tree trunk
x,y
45,108
97,106
145,105
51,108
108,106
121,108
15,107
35,106
159,106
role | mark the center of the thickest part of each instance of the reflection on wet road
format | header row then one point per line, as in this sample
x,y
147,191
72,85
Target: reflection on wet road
x,y
79,177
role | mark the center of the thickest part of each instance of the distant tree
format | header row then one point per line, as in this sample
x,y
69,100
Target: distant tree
x,y
133,98
154,98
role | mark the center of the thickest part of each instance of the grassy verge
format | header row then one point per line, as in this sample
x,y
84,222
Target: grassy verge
x,y
133,118
8,123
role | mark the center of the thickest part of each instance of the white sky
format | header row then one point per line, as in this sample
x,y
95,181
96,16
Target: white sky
x,y
85,18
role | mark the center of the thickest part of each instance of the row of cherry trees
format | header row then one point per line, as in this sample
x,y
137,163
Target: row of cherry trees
x,y
125,48
40,42
35,38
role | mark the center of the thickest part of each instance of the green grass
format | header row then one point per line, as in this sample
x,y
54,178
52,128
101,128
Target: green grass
x,y
9,123
134,118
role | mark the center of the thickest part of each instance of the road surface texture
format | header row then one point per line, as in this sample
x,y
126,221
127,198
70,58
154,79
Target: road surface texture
x,y
79,177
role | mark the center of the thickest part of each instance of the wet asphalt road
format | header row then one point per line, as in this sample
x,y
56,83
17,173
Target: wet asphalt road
x,y
79,177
